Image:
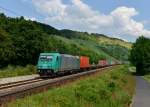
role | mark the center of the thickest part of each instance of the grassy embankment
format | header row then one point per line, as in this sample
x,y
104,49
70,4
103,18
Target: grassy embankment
x,y
147,77
109,89
11,71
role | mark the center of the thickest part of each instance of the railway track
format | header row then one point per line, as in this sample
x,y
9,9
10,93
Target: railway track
x,y
19,83
9,92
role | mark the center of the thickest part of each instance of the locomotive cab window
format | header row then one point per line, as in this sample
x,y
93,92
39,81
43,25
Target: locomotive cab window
x,y
49,57
42,57
46,58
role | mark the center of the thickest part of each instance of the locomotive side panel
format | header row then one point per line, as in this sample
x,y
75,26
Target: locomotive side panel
x,y
69,62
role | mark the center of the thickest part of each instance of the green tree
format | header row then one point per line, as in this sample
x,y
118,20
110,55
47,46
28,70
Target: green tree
x,y
140,55
6,47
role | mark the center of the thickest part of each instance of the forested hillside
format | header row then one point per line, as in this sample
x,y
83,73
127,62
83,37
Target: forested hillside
x,y
22,40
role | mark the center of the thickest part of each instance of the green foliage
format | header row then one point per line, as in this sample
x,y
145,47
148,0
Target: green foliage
x,y
98,91
147,77
103,39
104,46
66,46
116,51
12,71
6,48
140,55
21,42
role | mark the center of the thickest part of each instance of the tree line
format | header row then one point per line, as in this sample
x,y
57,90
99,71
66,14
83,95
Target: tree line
x,y
140,55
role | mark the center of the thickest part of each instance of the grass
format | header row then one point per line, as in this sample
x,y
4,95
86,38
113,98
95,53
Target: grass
x,y
133,71
12,71
108,89
147,77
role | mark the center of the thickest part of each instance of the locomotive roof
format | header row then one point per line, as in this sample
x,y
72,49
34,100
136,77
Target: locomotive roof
x,y
67,55
49,53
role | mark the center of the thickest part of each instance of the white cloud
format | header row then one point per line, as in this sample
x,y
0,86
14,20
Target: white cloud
x,y
30,18
50,8
122,17
79,16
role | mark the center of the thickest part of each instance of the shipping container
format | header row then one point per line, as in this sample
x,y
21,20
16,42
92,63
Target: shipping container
x,y
103,62
84,62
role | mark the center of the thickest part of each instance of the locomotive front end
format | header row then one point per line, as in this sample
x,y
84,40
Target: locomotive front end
x,y
47,64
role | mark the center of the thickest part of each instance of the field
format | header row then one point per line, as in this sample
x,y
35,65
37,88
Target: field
x,y
12,71
113,88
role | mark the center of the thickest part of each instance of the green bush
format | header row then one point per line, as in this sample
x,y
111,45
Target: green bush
x,y
12,71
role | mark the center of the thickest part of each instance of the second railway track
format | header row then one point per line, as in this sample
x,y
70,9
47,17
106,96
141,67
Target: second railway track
x,y
19,83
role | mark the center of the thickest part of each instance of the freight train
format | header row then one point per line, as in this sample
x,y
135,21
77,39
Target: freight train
x,y
52,64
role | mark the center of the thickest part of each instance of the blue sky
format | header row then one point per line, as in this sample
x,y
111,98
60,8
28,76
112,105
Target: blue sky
x,y
126,19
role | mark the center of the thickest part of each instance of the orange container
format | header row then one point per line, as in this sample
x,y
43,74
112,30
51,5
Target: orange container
x,y
84,62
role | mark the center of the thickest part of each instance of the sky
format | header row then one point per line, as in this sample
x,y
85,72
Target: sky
x,y
125,19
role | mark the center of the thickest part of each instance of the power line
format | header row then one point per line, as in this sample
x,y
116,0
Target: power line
x,y
15,13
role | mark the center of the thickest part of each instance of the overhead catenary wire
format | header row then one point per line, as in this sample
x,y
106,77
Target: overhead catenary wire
x,y
10,11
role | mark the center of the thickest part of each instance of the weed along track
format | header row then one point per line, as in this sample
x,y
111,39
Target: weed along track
x,y
9,92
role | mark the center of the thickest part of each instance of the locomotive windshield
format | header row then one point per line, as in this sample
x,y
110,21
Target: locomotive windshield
x,y
46,58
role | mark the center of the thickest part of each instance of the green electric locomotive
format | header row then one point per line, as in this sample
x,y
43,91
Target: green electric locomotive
x,y
55,63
